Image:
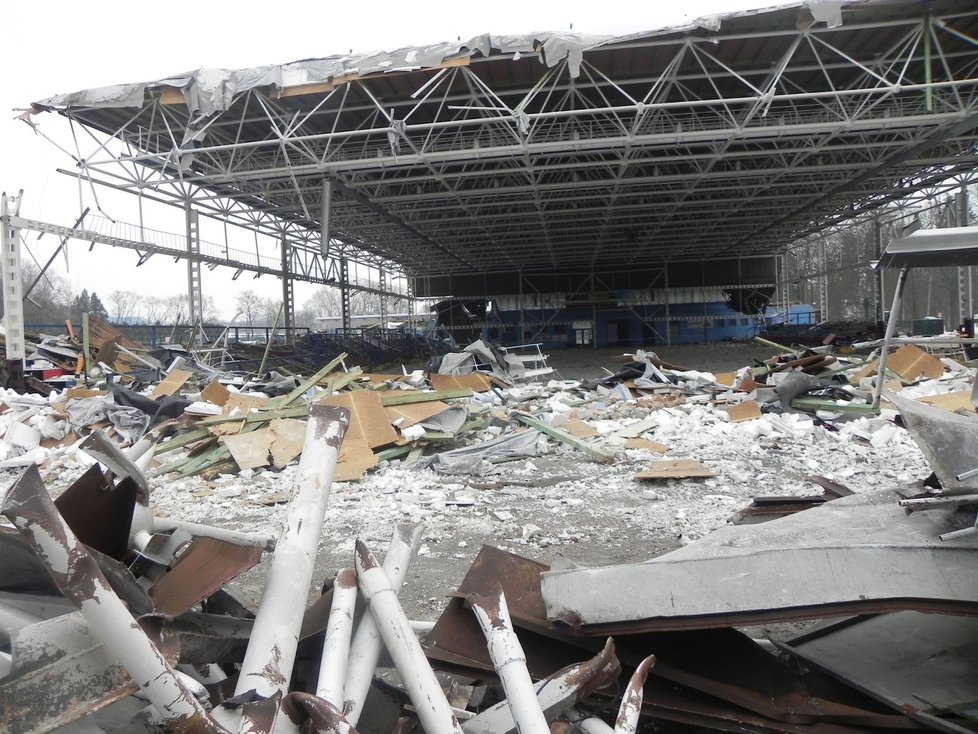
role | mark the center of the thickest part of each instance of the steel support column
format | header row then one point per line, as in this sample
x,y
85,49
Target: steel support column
x,y
966,309
878,272
345,291
13,282
194,296
383,298
288,294
823,282
326,214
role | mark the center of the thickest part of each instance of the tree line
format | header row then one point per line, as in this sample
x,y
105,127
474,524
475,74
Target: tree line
x,y
52,301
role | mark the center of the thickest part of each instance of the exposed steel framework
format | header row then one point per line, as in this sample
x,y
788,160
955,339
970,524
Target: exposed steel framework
x,y
728,138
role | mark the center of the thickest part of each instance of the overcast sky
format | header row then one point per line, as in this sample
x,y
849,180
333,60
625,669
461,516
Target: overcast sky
x,y
57,46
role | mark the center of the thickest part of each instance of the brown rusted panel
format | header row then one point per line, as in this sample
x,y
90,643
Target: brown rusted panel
x,y
201,570
99,515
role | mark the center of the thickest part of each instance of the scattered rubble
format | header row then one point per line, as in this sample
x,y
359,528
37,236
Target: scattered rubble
x,y
138,500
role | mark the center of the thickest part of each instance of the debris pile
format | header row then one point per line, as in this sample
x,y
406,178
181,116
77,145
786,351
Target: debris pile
x,y
119,594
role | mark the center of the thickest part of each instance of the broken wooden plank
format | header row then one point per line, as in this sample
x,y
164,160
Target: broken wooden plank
x,y
402,398
354,460
184,439
594,452
284,400
288,441
678,469
215,393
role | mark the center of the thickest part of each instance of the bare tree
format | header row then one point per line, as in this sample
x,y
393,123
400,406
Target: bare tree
x,y
249,305
124,305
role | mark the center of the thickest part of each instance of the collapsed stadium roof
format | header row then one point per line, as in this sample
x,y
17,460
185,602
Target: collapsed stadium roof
x,y
553,153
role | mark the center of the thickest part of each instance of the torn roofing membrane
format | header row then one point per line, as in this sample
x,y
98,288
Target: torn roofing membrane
x,y
210,90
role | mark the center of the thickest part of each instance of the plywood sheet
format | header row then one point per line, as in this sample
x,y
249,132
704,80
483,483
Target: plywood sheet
x,y
679,469
290,435
243,402
368,419
912,363
952,401
578,428
475,381
170,384
250,450
747,410
643,444
215,393
412,413
726,378
354,461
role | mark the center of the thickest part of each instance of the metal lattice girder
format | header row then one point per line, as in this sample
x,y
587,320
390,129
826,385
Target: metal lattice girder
x,y
724,139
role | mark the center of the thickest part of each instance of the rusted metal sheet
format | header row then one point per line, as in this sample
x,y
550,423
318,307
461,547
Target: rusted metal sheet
x,y
913,662
100,515
22,571
201,570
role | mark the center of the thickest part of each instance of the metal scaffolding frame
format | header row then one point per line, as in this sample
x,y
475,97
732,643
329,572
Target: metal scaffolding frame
x,y
722,139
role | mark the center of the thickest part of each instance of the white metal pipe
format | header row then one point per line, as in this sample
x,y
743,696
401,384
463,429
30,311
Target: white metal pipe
x,y
589,724
336,645
631,703
555,695
29,506
509,660
259,540
888,335
366,645
419,679
268,661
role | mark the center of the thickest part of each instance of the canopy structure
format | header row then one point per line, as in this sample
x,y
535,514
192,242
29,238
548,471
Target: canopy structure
x,y
474,166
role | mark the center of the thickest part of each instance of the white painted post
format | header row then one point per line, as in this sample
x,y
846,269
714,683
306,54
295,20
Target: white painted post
x,y
510,662
419,679
268,661
366,645
336,645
